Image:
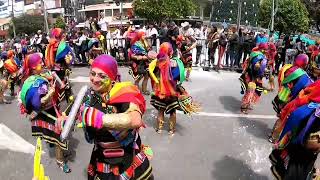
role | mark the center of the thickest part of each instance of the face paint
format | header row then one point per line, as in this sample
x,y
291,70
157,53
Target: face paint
x,y
106,82
100,82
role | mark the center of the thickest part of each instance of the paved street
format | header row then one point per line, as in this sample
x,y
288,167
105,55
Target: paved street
x,y
217,144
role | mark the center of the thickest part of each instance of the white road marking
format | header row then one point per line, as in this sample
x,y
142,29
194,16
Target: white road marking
x,y
10,140
234,115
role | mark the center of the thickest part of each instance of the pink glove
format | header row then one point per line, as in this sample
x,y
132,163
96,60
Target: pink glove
x,y
92,117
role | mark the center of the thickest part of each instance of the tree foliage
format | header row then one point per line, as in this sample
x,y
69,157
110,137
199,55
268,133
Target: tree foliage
x,y
60,23
27,24
292,15
313,8
158,10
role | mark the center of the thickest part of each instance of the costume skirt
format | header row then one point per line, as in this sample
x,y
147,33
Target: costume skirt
x,y
142,171
44,126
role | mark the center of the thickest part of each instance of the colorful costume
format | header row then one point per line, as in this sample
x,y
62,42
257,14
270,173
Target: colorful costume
x,y
296,148
11,67
292,80
251,80
168,95
185,46
118,152
58,58
139,48
138,55
3,80
95,48
271,55
40,101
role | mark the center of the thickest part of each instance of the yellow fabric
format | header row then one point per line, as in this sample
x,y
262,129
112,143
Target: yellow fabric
x,y
117,86
152,66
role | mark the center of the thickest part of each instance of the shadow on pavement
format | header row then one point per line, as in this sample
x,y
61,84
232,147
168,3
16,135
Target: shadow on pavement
x,y
230,168
73,146
230,103
257,128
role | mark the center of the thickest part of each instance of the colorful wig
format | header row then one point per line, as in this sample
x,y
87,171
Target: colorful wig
x,y
107,64
301,61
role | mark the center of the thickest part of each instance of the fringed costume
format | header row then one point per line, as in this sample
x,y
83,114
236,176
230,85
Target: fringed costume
x,y
138,55
251,80
271,55
185,46
107,116
168,95
297,137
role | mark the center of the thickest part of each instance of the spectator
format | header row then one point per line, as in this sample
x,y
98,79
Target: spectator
x,y
199,36
163,33
213,38
173,33
223,41
233,46
152,33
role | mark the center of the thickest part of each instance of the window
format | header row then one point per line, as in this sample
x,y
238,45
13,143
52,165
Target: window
x,y
108,13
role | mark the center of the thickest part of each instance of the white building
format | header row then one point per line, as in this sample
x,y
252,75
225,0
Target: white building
x,y
30,6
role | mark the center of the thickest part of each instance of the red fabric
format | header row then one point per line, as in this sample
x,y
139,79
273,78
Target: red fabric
x,y
129,94
51,53
309,94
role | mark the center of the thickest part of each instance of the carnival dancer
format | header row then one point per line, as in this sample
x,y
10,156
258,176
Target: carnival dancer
x,y
271,55
185,46
251,78
11,71
58,58
111,117
39,101
168,95
292,79
3,80
95,47
138,55
297,146
313,68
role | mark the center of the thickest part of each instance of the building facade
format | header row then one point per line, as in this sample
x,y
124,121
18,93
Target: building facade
x,y
227,11
30,7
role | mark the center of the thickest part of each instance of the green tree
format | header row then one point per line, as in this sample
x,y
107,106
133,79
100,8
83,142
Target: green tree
x,y
27,24
314,12
158,10
60,23
292,15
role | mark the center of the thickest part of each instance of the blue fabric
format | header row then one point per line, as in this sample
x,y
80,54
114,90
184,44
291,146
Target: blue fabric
x,y
295,120
303,82
33,97
60,57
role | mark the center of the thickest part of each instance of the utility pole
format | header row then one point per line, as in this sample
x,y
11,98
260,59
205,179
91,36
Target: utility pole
x,y
12,19
239,14
45,17
272,16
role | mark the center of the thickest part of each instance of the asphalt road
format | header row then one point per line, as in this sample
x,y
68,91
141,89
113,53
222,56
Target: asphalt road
x,y
217,144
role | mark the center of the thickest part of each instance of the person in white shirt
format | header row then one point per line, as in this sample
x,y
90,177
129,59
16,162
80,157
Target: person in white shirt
x,y
152,33
103,25
81,47
199,35
186,30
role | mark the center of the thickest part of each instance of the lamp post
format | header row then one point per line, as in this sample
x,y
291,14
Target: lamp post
x,y
272,16
239,14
